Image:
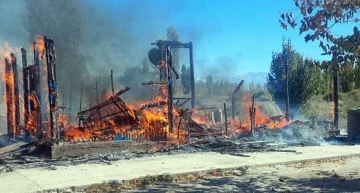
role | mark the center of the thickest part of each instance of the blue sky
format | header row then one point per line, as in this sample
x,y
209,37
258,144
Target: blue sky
x,y
243,33
245,30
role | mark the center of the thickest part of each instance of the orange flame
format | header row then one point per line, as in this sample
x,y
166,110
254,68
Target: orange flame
x,y
39,46
260,119
152,123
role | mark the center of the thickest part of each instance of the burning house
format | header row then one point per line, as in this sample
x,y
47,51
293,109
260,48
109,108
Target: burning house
x,y
164,119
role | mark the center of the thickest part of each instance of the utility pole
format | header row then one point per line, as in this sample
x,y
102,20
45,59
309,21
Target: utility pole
x,y
335,67
287,80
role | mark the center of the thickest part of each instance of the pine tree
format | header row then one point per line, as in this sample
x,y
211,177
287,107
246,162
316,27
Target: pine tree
x,y
185,79
276,81
347,78
357,75
209,84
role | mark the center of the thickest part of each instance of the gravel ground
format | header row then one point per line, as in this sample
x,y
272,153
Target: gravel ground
x,y
337,176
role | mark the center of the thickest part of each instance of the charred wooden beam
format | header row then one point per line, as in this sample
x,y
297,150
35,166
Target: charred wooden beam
x,y
26,89
112,82
177,44
252,116
226,122
16,93
150,83
176,73
70,104
9,98
52,86
233,107
183,103
122,91
192,74
105,103
35,86
153,105
169,62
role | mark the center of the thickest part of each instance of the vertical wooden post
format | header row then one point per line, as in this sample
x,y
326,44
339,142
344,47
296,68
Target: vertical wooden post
x,y
112,82
16,93
192,75
26,90
226,122
9,98
287,80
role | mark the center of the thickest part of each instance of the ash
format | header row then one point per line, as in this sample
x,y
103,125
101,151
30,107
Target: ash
x,y
274,140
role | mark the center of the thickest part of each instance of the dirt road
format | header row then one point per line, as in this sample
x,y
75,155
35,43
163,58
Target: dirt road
x,y
338,176
257,175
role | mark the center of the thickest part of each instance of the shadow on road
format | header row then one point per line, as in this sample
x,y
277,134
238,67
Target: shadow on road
x,y
325,183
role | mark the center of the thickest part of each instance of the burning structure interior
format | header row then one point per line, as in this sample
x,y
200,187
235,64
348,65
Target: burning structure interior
x,y
111,119
164,119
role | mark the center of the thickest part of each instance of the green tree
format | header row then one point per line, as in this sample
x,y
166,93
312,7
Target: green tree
x,y
312,80
185,79
357,75
316,19
209,84
347,78
276,81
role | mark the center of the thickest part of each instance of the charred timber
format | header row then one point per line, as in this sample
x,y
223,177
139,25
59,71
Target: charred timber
x,y
111,100
150,83
252,116
122,91
16,92
153,105
35,86
169,61
226,122
52,86
192,74
233,107
183,103
176,44
176,73
26,89
172,44
9,98
70,104
112,82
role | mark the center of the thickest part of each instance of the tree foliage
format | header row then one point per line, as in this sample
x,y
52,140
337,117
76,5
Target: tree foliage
x,y
318,17
209,84
185,79
304,78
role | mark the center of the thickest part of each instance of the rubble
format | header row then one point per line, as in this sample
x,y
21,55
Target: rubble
x,y
113,129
